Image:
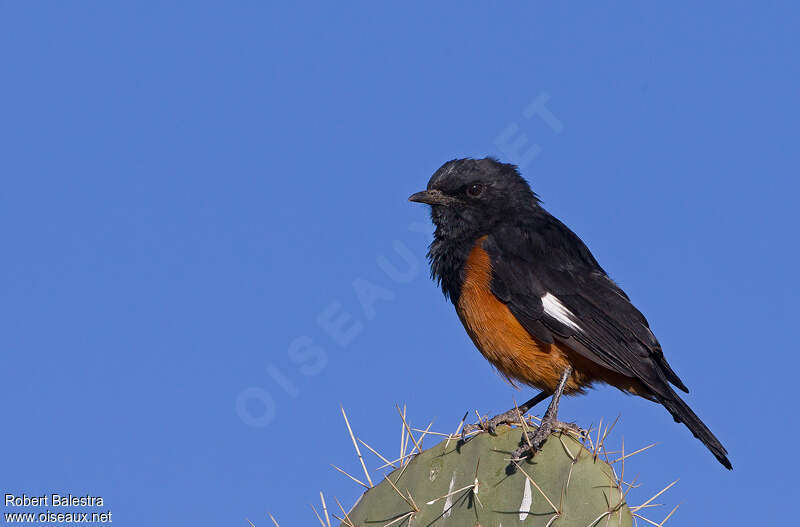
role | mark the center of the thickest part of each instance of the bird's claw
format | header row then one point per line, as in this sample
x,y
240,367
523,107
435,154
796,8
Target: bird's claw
x,y
534,441
483,425
508,418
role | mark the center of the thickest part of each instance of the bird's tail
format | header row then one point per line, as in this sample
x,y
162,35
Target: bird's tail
x,y
683,414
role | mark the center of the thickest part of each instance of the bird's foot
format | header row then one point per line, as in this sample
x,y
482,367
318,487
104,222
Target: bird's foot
x,y
483,425
509,418
535,439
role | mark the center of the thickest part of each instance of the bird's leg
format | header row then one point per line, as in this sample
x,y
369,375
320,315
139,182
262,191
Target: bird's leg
x,y
550,422
506,418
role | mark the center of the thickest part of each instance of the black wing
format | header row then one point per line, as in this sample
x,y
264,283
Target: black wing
x,y
557,290
546,260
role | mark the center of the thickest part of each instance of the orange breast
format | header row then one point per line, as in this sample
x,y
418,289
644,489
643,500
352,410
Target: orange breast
x,y
498,334
511,349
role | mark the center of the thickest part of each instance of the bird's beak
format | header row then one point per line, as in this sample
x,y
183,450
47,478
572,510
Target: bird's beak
x,y
431,197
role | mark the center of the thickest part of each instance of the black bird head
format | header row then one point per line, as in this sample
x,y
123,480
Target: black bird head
x,y
469,196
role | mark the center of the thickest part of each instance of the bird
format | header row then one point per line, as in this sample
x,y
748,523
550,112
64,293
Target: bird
x,y
535,301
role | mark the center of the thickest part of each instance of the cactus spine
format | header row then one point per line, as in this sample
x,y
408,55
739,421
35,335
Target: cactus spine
x,y
473,483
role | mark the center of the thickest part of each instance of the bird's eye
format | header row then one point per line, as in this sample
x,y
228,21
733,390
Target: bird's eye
x,y
475,190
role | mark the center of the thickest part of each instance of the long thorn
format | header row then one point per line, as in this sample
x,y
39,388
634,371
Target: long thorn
x,y
461,424
431,432
408,429
630,487
376,453
480,419
609,429
669,515
401,460
588,438
554,518
524,425
626,456
349,521
342,521
651,522
413,503
569,475
355,445
597,445
403,438
422,437
594,522
325,509
573,458
449,494
410,503
659,493
351,477
401,518
317,514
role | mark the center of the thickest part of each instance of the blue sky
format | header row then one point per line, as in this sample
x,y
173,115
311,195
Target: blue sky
x,y
194,195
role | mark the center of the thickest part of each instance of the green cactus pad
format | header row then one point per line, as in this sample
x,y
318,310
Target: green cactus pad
x,y
583,489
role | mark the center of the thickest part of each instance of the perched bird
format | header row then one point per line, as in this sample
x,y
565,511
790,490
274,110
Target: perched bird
x,y
535,301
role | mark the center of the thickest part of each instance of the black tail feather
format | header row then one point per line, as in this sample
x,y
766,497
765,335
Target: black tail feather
x,y
683,414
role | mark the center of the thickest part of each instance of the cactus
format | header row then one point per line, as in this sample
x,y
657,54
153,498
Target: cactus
x,y
474,483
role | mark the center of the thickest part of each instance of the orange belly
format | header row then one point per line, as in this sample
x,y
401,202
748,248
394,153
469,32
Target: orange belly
x,y
510,348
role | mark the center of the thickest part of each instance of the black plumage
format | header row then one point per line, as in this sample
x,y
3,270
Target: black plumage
x,y
535,259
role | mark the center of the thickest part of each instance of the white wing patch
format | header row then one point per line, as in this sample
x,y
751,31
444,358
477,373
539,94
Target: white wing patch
x,y
557,310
